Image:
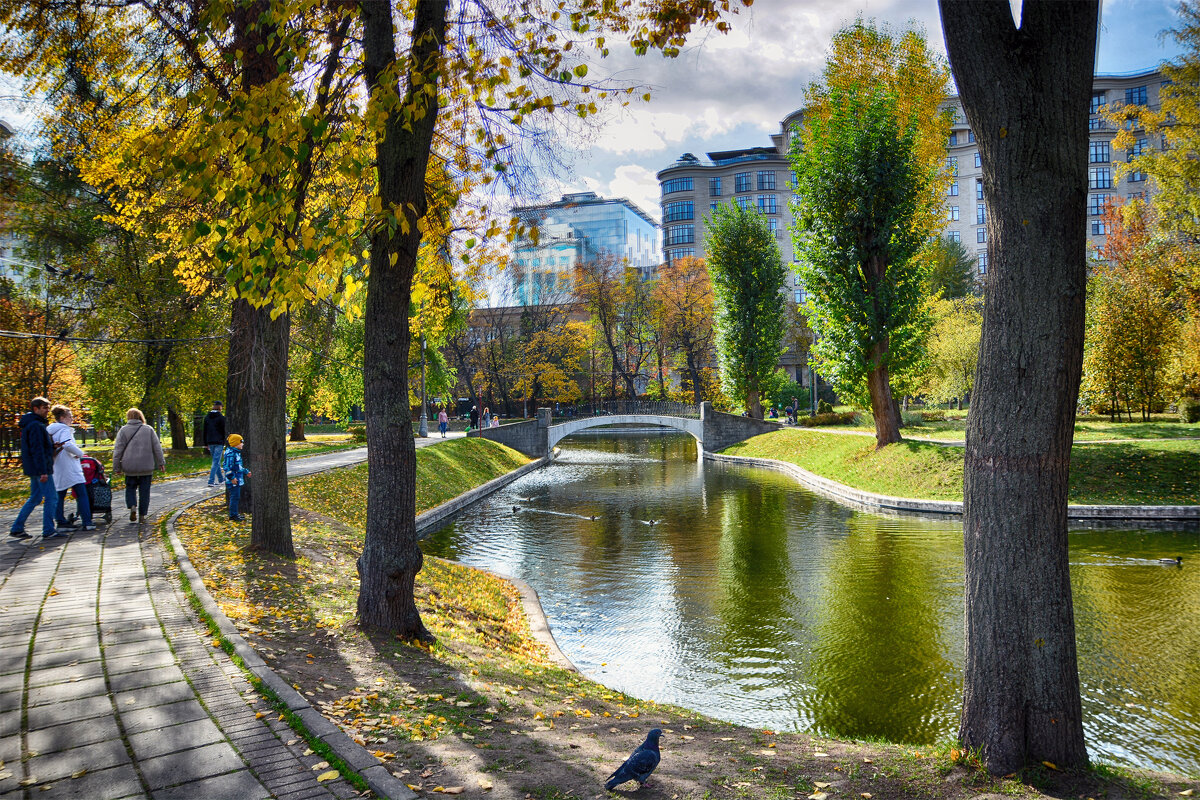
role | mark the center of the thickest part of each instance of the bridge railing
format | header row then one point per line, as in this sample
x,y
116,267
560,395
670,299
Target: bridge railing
x,y
666,408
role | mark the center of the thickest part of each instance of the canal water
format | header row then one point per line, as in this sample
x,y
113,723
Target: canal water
x,y
732,591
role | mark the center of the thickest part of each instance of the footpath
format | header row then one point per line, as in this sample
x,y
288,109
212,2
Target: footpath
x,y
110,686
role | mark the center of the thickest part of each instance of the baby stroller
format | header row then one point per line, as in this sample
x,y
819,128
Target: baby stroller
x,y
98,489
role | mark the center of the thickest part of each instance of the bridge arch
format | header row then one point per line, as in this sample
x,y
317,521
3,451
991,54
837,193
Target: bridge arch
x,y
562,430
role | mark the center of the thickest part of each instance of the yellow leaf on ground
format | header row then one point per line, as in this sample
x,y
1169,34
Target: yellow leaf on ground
x,y
865,795
449,789
260,714
327,776
320,765
818,796
79,773
1187,792
821,785
1048,765
485,784
820,755
53,592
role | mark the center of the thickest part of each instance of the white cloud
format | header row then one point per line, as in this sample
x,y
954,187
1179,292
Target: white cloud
x,y
633,182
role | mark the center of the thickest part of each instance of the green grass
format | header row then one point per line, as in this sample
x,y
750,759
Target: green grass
x,y
1142,473
444,471
1087,428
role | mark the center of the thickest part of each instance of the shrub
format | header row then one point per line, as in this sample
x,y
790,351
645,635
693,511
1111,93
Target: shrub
x,y
933,416
913,419
1189,409
357,431
823,408
828,418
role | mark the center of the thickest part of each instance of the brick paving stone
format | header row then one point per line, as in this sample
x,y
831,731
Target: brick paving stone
x,y
213,759
241,785
66,690
71,673
107,784
68,710
92,757
145,719
156,695
175,738
73,734
125,681
139,662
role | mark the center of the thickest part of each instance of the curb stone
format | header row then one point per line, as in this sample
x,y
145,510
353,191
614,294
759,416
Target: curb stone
x,y
381,782
848,495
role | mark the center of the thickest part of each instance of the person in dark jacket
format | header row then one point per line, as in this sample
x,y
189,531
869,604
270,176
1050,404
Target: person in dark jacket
x,y
214,440
37,462
474,417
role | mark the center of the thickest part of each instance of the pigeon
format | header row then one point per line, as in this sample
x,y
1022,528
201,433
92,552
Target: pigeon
x,y
640,764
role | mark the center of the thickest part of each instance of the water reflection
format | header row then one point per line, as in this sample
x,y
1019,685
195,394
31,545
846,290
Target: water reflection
x,y
754,601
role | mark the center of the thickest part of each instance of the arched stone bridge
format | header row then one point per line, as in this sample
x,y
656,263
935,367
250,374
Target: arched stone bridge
x,y
713,430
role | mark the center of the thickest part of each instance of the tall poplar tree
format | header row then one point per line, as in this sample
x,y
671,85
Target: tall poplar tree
x,y
748,277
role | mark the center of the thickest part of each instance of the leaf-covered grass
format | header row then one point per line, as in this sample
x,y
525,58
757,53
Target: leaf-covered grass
x,y
1087,428
444,471
14,486
1144,473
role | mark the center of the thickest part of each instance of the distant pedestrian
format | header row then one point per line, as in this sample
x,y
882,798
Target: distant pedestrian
x,y
137,453
474,416
68,471
214,440
487,418
443,421
236,473
37,462
495,421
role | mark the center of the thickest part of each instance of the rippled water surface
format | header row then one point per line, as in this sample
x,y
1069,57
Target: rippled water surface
x,y
732,591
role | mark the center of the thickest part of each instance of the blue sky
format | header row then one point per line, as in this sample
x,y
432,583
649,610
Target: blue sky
x,y
726,92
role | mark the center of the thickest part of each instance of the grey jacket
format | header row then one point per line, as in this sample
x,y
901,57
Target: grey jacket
x,y
137,450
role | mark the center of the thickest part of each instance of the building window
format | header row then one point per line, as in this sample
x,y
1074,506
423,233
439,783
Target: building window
x,y
773,224
1098,124
952,191
766,204
970,137
1096,204
1098,103
980,214
952,214
1139,148
743,202
714,187
741,182
979,188
953,138
1099,178
954,236
952,165
798,294
681,234
713,206
981,235
1135,96
1099,227
683,252
1098,153
982,261
677,185
977,161
792,185
766,179
675,212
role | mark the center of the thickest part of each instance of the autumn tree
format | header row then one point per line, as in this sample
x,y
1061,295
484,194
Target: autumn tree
x,y
621,309
868,162
1025,91
951,269
953,351
684,294
748,277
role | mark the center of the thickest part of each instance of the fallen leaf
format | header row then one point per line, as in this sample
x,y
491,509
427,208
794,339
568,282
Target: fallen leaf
x,y
865,795
821,785
868,761
327,776
5,775
308,752
820,755
449,789
1048,765
53,592
30,781
79,773
1187,792
818,796
485,784
767,752
260,714
320,765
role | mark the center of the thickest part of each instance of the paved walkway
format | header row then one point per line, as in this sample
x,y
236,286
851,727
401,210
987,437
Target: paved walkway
x,y
109,684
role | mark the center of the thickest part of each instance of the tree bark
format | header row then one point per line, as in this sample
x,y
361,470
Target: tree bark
x,y
391,558
1025,92
179,440
237,380
883,405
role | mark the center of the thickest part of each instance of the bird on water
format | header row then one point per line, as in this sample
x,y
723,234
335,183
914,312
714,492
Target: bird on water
x,y
1177,561
640,763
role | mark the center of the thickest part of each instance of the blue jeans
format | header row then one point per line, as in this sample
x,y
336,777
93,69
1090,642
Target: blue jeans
x,y
235,496
215,475
82,504
442,428
39,492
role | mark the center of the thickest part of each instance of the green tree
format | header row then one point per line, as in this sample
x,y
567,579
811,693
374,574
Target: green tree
x,y
869,188
748,278
953,350
684,295
952,269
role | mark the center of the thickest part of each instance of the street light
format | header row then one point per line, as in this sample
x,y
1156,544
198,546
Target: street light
x,y
423,428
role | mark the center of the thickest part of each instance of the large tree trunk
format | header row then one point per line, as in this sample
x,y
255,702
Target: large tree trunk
x,y
883,406
238,396
1025,91
391,558
266,450
179,440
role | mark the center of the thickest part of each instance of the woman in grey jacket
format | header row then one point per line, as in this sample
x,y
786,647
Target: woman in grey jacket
x,y
137,453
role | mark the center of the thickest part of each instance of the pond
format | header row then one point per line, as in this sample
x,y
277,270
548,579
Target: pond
x,y
735,592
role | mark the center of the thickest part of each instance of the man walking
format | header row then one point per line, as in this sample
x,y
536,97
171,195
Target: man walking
x,y
37,461
214,440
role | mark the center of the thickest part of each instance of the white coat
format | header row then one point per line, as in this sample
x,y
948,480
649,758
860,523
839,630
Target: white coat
x,y
67,470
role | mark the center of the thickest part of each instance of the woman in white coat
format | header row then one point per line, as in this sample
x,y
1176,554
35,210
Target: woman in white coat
x,y
68,472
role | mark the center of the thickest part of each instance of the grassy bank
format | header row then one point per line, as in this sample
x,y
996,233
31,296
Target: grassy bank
x,y
14,486
1088,428
1146,472
484,712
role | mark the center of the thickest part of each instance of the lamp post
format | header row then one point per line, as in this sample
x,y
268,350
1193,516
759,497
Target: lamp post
x,y
423,427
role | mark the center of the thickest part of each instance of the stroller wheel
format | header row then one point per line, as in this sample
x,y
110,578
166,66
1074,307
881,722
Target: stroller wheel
x,y
108,517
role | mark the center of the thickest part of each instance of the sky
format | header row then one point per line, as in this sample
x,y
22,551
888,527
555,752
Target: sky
x,y
732,91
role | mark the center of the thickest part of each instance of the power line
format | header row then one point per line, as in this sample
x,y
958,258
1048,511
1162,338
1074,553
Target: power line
x,y
85,340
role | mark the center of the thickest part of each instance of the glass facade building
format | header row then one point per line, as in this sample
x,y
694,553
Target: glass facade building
x,y
578,228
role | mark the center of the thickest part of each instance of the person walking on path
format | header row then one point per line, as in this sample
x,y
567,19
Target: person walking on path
x,y
137,453
68,471
214,440
37,462
474,416
236,473
443,421
486,421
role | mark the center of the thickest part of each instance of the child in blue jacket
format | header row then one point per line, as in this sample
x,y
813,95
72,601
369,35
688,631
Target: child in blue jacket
x,y
235,474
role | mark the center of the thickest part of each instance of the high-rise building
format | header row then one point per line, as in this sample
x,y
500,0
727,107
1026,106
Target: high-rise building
x,y
578,228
